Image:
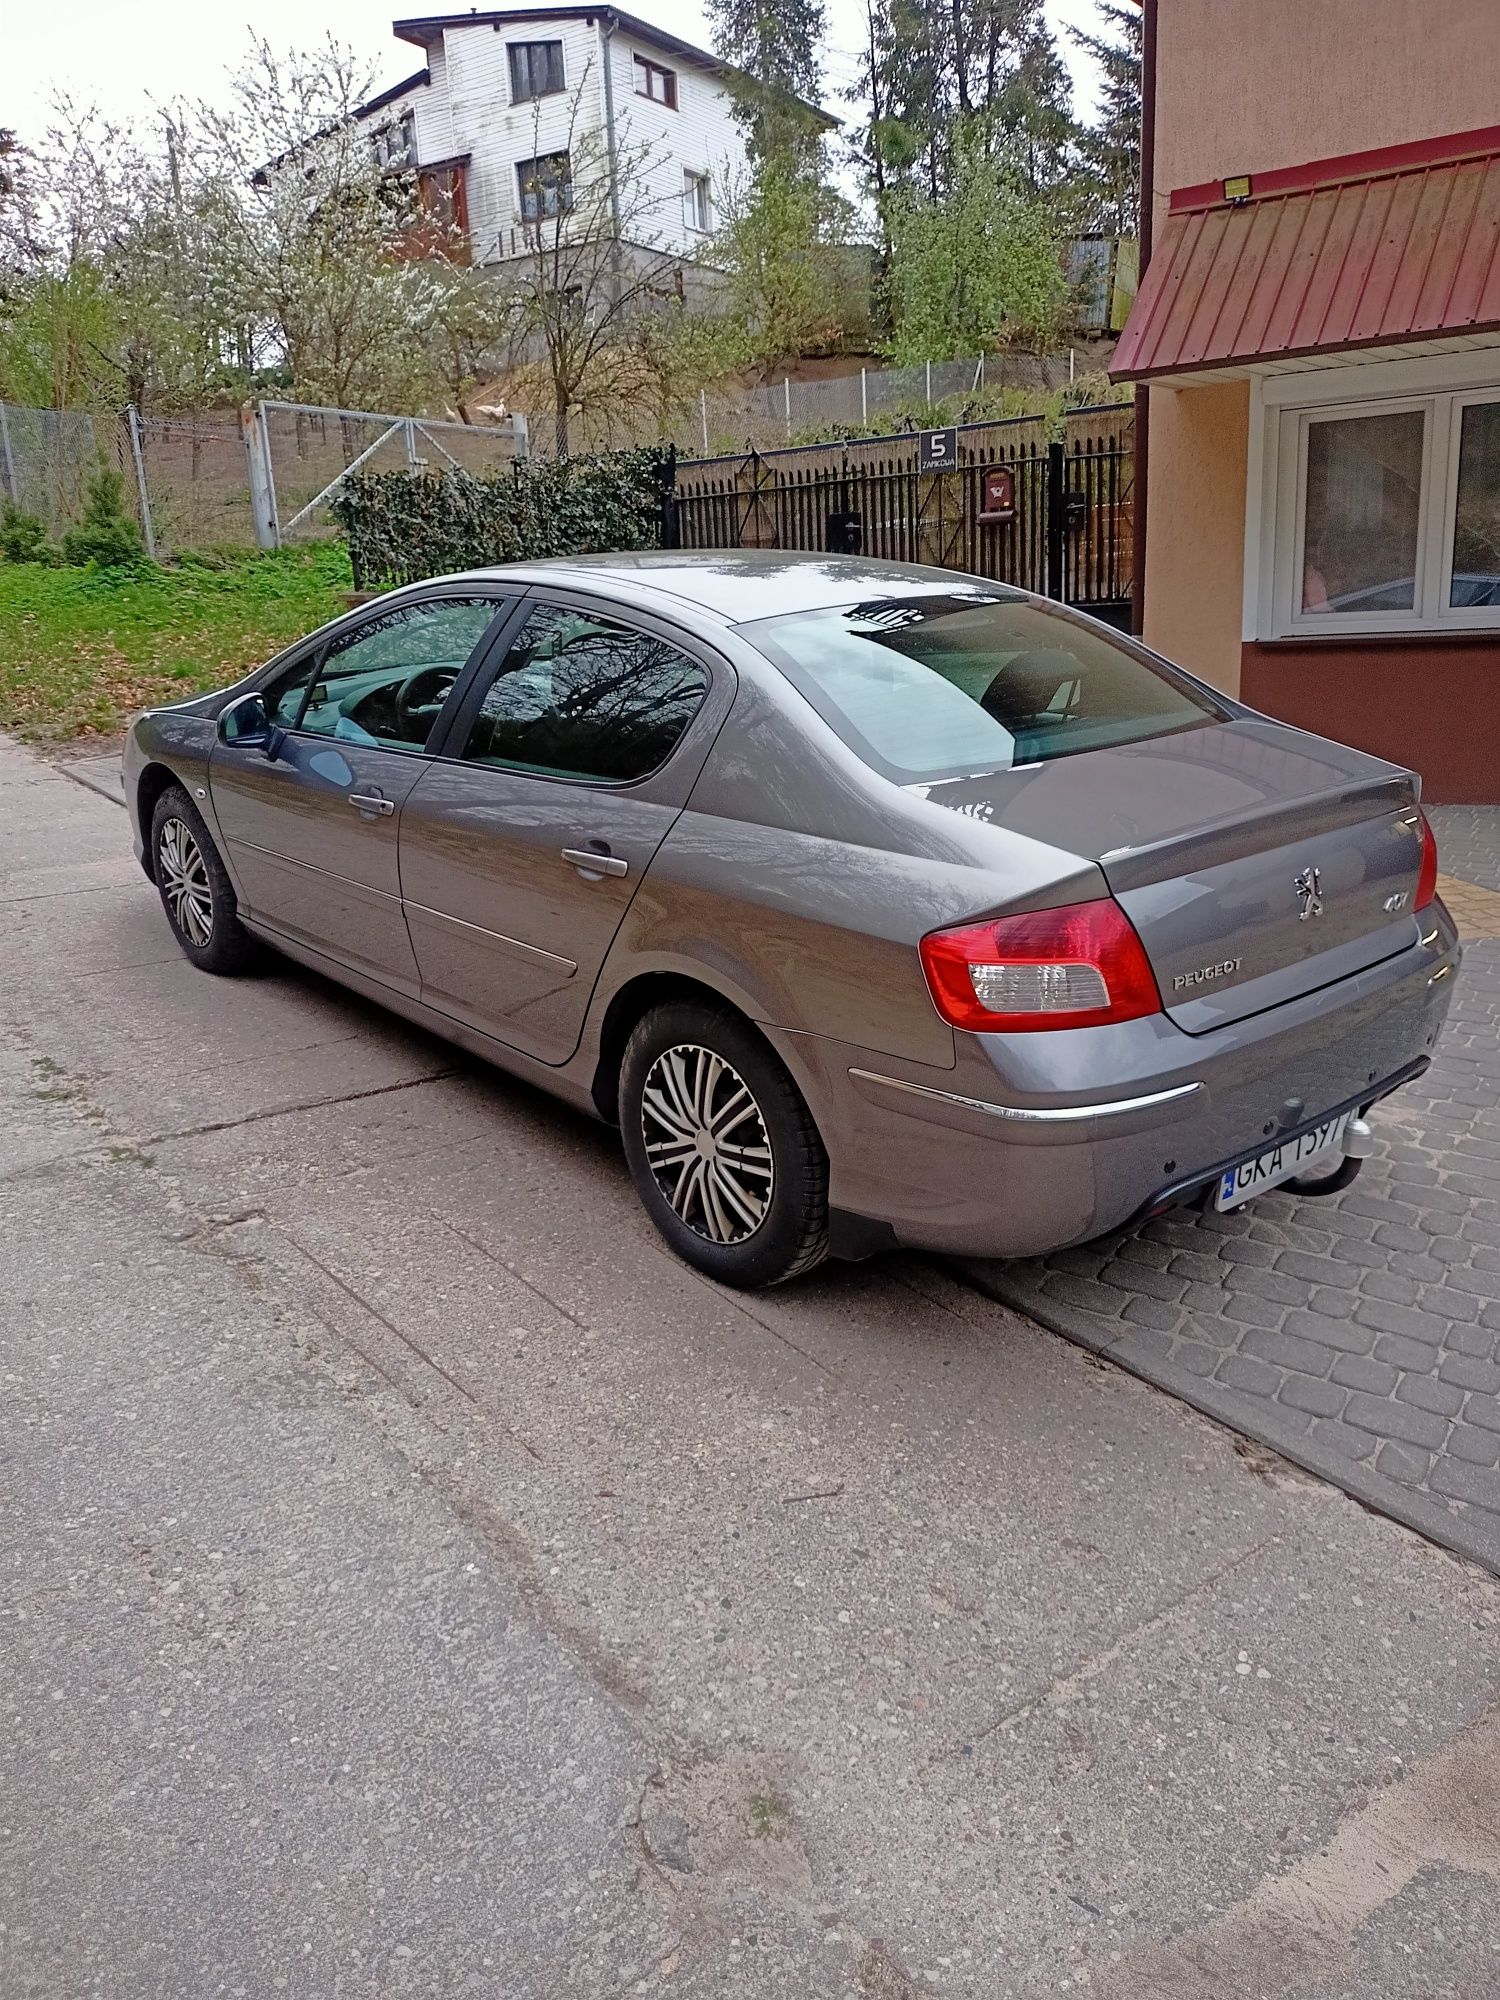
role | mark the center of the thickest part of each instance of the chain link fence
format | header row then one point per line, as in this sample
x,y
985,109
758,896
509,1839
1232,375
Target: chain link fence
x,y
197,482
226,479
775,414
807,409
300,453
263,476
48,457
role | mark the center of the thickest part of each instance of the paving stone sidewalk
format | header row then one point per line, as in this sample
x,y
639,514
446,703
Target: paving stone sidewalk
x,y
1358,1335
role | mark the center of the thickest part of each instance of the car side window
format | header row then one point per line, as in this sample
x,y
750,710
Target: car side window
x,y
384,683
579,696
283,695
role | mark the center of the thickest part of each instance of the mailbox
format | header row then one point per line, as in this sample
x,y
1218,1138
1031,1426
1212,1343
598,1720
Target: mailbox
x,y
997,497
844,533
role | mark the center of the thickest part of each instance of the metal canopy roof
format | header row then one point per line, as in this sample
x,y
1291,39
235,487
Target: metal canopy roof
x,y
1366,250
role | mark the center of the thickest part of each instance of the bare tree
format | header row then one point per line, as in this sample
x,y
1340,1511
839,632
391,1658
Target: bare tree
x,y
590,267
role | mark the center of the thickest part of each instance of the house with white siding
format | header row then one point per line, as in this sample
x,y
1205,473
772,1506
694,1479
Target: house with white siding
x,y
488,122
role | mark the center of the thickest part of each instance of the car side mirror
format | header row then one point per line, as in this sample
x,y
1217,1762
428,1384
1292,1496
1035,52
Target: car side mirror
x,y
246,725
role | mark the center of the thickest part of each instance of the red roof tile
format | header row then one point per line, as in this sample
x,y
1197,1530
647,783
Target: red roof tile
x,y
1369,250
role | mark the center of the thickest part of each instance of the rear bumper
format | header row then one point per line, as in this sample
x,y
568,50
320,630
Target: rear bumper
x,y
1033,1142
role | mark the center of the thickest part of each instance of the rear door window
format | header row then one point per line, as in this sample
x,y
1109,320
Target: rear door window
x,y
940,686
579,696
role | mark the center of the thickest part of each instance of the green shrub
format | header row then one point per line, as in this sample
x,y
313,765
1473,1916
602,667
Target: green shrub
x,y
402,526
23,538
106,535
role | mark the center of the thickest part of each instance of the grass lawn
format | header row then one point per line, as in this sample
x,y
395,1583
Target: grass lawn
x,y
81,650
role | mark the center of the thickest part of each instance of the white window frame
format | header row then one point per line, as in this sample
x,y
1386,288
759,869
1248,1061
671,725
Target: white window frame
x,y
694,180
1283,406
1291,537
1466,616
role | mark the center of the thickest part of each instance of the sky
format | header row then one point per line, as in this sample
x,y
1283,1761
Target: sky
x,y
121,53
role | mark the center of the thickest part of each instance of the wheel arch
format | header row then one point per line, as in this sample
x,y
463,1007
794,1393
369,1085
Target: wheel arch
x,y
632,1001
155,778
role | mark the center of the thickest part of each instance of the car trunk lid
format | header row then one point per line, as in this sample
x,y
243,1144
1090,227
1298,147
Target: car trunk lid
x,y
1256,863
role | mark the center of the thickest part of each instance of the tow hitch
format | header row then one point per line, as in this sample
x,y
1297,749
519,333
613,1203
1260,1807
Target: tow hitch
x,y
1359,1144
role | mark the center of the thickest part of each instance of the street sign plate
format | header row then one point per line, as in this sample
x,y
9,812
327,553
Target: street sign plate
x,y
939,450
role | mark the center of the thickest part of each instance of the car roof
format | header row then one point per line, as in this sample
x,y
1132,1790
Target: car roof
x,y
735,586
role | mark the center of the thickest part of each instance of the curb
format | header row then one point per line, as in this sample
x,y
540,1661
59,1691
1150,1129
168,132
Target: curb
x,y
110,785
1237,1413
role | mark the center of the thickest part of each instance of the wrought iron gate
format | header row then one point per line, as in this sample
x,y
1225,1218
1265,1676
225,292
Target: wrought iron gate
x,y
1065,532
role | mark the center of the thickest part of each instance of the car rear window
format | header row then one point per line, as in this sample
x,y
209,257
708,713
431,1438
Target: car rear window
x,y
931,687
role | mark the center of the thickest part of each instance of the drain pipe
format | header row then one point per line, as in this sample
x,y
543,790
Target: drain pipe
x,y
607,25
1142,440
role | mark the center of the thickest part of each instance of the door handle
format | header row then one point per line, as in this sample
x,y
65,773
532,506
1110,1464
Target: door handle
x,y
371,802
588,862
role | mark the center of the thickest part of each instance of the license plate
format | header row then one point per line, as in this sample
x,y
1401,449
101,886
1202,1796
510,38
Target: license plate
x,y
1280,1163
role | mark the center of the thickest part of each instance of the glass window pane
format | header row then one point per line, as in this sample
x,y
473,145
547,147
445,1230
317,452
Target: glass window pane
x,y
385,683
1476,533
284,694
944,686
1364,494
536,70
581,697
546,186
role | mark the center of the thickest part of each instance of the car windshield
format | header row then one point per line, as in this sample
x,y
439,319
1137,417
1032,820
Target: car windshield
x,y
931,687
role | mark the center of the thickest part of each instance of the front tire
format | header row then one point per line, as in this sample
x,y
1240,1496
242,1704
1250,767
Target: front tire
x,y
722,1148
195,891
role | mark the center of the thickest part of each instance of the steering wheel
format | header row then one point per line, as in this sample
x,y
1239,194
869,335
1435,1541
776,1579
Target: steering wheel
x,y
423,693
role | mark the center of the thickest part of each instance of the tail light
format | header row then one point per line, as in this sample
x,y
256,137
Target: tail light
x,y
1427,873
1077,967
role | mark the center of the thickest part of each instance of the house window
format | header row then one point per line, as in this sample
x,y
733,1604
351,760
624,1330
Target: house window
x,y
697,209
1475,578
536,70
655,82
1362,512
545,186
1387,516
396,144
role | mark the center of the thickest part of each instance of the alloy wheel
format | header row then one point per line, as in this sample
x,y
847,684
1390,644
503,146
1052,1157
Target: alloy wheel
x,y
184,881
707,1143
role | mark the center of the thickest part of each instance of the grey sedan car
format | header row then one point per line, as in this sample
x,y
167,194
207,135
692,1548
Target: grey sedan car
x,y
875,905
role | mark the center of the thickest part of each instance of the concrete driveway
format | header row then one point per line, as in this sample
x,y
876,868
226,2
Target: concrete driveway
x,y
416,1582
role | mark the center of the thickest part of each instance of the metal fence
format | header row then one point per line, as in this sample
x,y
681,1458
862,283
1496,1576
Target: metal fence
x,y
299,454
48,457
193,475
206,479
770,416
1058,520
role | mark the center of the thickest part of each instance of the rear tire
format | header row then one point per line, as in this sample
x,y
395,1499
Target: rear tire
x,y
722,1148
196,893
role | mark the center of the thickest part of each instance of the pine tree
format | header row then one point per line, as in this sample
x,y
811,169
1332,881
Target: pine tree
x,y
1111,146
775,45
936,72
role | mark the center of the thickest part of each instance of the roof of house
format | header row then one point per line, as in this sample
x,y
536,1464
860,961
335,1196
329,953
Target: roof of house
x,y
1373,249
419,79
425,29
